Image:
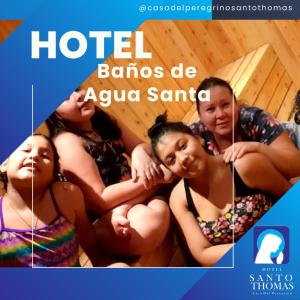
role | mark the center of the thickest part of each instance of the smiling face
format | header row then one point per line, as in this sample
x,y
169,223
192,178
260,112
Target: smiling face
x,y
75,110
220,114
182,154
33,160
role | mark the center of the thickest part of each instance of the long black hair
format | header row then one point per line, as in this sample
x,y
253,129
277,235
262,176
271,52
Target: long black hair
x,y
210,82
102,122
3,175
163,126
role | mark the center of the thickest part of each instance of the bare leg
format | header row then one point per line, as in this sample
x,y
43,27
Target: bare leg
x,y
119,221
118,265
149,225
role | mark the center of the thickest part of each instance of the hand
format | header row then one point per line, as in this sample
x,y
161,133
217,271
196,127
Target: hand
x,y
237,150
168,176
144,168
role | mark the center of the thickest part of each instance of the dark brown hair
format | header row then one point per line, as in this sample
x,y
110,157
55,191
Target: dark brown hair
x,y
101,121
207,83
162,126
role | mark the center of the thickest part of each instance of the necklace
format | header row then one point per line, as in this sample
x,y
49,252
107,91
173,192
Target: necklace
x,y
23,219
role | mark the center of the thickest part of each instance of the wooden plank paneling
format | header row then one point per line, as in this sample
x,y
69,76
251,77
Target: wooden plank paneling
x,y
286,109
279,95
203,45
270,85
259,78
226,48
256,73
221,40
7,27
271,34
290,31
241,70
228,72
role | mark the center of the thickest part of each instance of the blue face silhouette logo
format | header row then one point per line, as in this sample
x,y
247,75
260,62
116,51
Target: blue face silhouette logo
x,y
270,245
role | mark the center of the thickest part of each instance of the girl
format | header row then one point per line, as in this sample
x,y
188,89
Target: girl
x,y
210,222
235,130
42,221
91,148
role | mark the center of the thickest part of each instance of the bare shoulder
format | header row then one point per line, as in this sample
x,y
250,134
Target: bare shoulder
x,y
67,188
68,195
67,138
178,197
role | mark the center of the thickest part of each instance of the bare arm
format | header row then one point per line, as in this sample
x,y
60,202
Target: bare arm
x,y
283,154
259,173
85,230
71,204
143,165
80,168
205,253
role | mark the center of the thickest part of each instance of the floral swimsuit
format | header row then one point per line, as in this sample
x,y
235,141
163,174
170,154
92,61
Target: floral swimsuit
x,y
111,161
249,206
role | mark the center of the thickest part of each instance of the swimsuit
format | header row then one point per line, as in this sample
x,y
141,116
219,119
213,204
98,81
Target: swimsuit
x,y
53,245
111,162
110,159
249,206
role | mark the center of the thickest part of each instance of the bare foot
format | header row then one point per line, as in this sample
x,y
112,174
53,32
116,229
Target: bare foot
x,y
120,225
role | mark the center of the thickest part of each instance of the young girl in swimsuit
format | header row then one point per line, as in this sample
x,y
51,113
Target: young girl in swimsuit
x,y
211,212
42,221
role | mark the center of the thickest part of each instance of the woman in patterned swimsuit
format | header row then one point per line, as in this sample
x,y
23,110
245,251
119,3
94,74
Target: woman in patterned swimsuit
x,y
43,231
232,130
210,211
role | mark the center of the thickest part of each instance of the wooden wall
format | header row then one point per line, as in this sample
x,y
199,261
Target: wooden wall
x,y
7,27
207,45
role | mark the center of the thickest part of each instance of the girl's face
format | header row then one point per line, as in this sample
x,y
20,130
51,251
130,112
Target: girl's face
x,y
75,110
220,114
33,160
182,154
